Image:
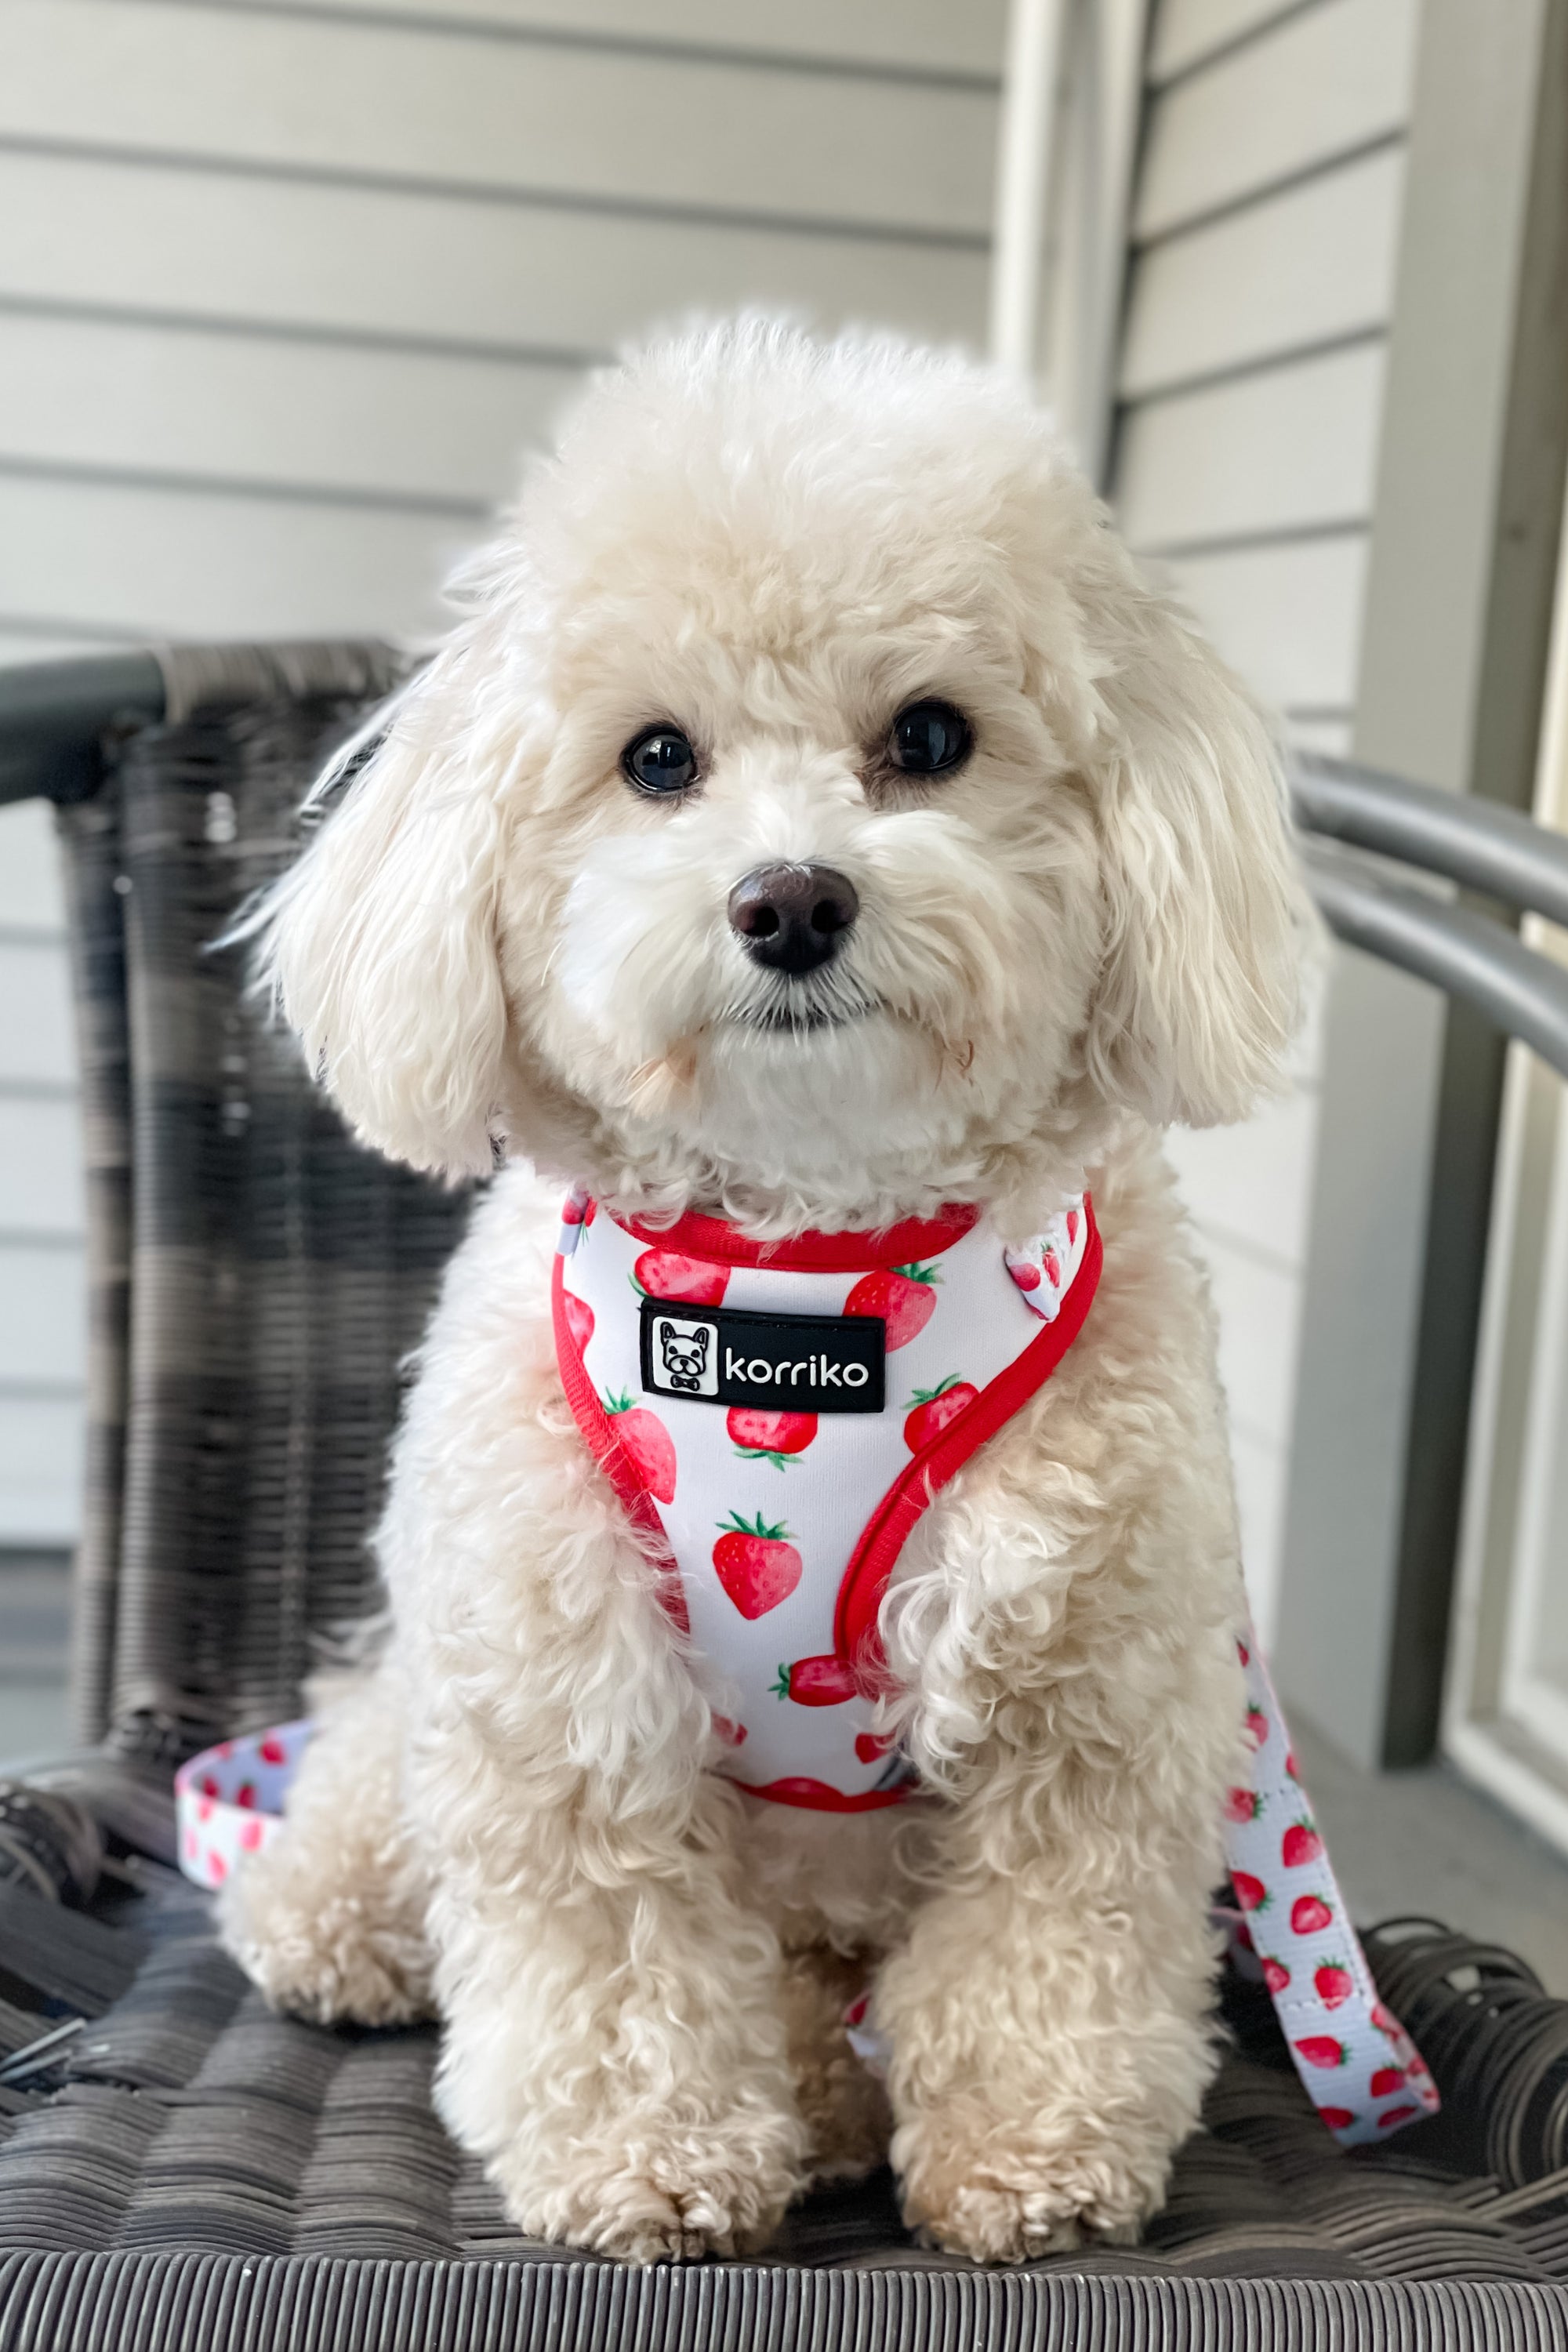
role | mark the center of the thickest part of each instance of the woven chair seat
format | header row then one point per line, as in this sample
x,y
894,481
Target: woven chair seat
x,y
188,2117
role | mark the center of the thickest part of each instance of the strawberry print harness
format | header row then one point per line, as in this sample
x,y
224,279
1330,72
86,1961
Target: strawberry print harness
x,y
778,1417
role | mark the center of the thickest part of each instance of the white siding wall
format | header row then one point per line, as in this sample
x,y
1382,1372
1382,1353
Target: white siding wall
x,y
283,293
1261,288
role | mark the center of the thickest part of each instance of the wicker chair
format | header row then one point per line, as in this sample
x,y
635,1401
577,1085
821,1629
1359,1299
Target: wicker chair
x,y
181,2168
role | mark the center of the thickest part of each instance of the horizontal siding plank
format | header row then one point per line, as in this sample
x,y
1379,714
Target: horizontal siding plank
x,y
1185,32
1312,264
905,36
1260,1469
1289,449
152,399
40,1168
202,566
1251,1185
43,1314
37,1043
1260,1309
1287,618
342,262
40,1469
32,894
301,92
1320,85
1311,731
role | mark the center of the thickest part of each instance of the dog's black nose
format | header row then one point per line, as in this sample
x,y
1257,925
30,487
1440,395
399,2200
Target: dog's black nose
x,y
792,918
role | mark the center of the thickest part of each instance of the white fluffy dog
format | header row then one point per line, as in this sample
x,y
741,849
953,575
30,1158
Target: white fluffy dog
x,y
1078,921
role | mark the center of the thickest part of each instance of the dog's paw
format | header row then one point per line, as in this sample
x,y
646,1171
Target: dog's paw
x,y
334,1958
997,2192
654,2196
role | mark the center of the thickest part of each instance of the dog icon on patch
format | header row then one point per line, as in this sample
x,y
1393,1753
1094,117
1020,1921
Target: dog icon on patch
x,y
688,1357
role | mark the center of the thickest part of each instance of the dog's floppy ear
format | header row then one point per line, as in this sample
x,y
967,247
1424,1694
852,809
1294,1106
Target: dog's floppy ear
x,y
379,944
1207,918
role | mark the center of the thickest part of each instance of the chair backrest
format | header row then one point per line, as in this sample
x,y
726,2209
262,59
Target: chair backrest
x,y
257,1278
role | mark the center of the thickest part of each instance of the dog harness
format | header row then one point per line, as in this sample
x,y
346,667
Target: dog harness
x,y
777,1417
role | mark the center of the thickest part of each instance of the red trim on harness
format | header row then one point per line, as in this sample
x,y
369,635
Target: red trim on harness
x,y
821,1797
855,1636
607,1449
694,1235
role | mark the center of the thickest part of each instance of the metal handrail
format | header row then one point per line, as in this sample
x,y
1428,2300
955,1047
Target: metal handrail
x,y
1478,843
1520,991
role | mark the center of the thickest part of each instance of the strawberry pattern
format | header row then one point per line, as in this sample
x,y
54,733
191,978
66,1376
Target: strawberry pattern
x,y
763,1510
1362,2073
228,1802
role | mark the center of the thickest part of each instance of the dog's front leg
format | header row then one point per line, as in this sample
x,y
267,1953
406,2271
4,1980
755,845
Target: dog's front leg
x,y
614,2041
1050,2037
615,2044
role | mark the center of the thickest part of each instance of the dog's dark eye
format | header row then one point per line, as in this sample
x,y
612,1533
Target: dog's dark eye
x,y
929,738
659,759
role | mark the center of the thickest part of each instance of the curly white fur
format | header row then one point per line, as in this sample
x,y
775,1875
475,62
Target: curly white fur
x,y
1090,930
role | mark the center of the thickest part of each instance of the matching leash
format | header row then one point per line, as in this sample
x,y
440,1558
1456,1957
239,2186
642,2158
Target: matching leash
x,y
1291,1929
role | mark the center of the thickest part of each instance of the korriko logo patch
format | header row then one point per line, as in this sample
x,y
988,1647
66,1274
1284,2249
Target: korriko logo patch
x,y
725,1355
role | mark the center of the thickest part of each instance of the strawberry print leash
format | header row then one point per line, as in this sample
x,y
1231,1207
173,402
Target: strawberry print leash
x,y
1362,2070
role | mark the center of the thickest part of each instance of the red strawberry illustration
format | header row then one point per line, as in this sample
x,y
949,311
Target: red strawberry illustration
x,y
732,1733
579,1319
870,1747
770,1436
934,1408
666,1273
271,1751
901,1295
1392,2116
1300,1844
1337,2118
1024,1272
1308,1913
571,1214
647,1442
1290,1765
246,1795
816,1682
1244,1653
216,1866
1257,1726
757,1568
1241,1937
1276,1975
1053,1266
1250,1892
1386,2079
1242,1805
1333,1983
1322,2050
251,1834
1386,2023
